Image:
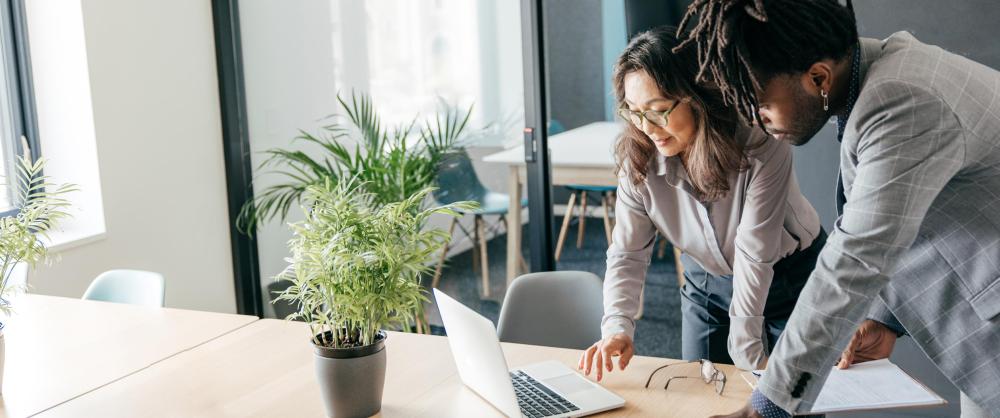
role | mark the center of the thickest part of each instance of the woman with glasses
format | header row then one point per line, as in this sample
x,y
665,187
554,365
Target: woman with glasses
x,y
722,192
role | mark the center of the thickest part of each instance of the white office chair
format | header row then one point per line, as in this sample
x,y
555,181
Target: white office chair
x,y
556,309
135,287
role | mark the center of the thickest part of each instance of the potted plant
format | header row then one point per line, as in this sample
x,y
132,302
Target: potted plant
x,y
42,207
355,272
391,163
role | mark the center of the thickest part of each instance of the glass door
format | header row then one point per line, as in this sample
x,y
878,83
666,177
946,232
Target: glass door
x,y
417,63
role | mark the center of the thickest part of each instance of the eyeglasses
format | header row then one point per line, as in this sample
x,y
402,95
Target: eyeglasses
x,y
709,374
656,117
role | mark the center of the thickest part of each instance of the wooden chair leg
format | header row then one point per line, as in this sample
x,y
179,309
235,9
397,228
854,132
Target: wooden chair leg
x,y
475,242
607,219
642,303
565,225
662,250
680,267
481,231
444,254
524,263
613,200
583,220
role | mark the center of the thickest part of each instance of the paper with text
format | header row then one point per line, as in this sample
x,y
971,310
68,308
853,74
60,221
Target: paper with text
x,y
875,384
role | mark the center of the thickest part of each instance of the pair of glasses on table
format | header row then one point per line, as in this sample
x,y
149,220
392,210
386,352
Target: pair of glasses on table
x,y
709,374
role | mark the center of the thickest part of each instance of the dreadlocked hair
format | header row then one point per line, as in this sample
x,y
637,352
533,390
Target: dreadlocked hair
x,y
742,44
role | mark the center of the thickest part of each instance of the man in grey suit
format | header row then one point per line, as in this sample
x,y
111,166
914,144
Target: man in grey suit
x,y
916,249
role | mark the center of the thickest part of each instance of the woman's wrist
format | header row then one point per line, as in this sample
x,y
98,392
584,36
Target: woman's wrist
x,y
617,324
745,342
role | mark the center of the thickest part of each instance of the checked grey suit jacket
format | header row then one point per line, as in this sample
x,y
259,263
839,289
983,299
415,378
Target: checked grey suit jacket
x,y
919,237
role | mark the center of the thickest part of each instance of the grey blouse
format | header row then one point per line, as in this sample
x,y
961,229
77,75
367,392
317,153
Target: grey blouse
x,y
763,219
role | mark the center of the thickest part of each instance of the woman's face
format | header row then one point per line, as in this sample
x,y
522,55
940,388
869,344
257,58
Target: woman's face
x,y
642,94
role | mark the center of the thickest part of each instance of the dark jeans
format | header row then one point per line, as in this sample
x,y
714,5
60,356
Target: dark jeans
x,y
705,300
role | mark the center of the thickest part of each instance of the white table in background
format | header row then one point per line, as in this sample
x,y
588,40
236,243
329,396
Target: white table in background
x,y
583,155
62,348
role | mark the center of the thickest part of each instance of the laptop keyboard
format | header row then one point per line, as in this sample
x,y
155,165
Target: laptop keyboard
x,y
536,400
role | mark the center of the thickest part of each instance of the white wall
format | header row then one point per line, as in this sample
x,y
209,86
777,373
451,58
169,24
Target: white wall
x,y
159,142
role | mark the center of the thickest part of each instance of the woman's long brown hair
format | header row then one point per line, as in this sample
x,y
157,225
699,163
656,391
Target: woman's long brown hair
x,y
715,153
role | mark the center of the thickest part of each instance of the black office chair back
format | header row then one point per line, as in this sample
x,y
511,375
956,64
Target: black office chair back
x,y
457,180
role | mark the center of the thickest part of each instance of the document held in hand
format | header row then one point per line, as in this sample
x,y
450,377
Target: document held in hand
x,y
875,384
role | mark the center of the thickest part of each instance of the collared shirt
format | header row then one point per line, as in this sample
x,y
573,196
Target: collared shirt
x,y
763,218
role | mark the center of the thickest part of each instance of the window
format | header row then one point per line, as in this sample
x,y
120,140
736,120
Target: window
x,y
17,118
412,55
417,51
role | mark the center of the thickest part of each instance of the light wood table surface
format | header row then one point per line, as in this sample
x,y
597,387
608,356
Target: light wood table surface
x,y
61,348
583,155
266,370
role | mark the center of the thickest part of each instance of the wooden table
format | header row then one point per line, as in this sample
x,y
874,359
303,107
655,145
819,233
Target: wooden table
x,y
265,369
584,155
61,348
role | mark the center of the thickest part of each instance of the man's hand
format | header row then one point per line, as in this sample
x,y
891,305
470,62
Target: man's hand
x,y
746,412
872,341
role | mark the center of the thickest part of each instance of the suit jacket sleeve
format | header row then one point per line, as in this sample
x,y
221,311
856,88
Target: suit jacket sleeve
x,y
904,145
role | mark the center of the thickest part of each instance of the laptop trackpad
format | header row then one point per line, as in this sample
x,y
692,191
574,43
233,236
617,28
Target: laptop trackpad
x,y
568,384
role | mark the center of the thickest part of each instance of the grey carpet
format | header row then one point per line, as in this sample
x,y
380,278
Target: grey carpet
x,y
658,333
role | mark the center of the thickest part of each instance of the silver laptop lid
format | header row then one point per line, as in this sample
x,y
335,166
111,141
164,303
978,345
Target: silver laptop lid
x,y
478,356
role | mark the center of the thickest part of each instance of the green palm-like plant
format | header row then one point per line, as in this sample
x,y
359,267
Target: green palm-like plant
x,y
391,164
43,208
355,266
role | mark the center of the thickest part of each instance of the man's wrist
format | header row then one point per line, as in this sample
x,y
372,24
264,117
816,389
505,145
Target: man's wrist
x,y
765,408
894,327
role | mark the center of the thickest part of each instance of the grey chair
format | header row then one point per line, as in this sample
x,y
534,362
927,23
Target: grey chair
x,y
555,309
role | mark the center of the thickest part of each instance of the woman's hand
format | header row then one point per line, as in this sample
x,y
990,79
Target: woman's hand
x,y
619,345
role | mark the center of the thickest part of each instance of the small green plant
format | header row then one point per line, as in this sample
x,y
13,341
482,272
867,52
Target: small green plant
x,y
43,207
392,164
355,266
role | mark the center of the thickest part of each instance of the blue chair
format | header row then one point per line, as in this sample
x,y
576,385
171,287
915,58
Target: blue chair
x,y
135,287
579,191
553,308
457,181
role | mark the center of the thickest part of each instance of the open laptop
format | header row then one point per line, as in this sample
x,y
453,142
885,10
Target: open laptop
x,y
546,389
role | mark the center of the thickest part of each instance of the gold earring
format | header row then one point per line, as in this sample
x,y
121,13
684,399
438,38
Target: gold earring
x,y
826,100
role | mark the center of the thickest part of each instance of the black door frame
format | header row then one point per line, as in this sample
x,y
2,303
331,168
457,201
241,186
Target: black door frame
x,y
536,138
236,151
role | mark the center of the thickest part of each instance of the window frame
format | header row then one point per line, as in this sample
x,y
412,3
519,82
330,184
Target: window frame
x,y
14,32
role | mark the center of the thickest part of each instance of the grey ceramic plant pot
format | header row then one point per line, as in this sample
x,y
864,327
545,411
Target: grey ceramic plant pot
x,y
351,379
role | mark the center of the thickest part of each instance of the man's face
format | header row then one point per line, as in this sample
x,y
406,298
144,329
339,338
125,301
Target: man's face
x,y
791,112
